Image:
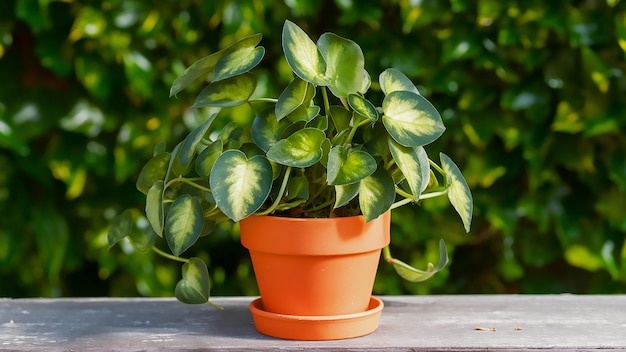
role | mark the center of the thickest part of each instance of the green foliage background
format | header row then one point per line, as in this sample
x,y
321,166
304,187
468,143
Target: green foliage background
x,y
532,94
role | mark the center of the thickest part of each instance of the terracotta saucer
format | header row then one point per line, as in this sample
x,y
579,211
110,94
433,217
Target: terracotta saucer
x,y
332,327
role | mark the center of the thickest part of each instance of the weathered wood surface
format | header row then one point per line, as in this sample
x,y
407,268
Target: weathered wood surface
x,y
408,323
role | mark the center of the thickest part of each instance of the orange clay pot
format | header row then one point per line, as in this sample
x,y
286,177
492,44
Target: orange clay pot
x,y
315,267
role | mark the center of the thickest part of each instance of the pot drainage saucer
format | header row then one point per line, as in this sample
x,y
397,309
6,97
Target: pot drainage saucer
x,y
308,327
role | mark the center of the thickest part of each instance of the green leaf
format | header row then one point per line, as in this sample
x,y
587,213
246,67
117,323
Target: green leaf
x,y
121,227
206,65
345,70
458,191
188,149
341,117
376,194
207,157
232,91
411,119
412,274
154,170
302,55
236,62
183,223
413,162
363,106
345,193
301,149
240,185
392,80
347,166
194,287
294,96
267,130
154,207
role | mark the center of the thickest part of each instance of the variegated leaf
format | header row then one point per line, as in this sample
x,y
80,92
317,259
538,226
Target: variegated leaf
x,y
392,80
411,119
183,223
267,130
294,96
301,149
458,191
194,287
344,64
345,193
347,166
376,194
302,55
121,227
228,92
154,170
363,107
413,162
154,207
207,157
412,274
188,148
238,61
240,185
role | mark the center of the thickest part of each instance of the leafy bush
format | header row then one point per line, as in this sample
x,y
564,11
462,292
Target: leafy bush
x,y
530,91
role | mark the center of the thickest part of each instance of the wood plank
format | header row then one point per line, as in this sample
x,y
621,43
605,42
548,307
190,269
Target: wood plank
x,y
408,323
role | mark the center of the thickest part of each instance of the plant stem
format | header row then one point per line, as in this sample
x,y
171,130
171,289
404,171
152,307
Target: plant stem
x,y
169,256
326,102
190,181
404,193
401,203
437,167
433,194
281,192
267,100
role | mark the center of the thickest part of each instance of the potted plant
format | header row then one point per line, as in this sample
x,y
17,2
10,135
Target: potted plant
x,y
316,174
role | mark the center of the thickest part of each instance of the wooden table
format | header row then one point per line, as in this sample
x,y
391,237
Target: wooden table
x,y
408,323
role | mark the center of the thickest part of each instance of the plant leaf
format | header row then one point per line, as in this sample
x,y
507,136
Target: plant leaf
x,y
363,106
194,287
345,193
341,117
238,61
412,274
301,149
232,91
121,227
347,166
411,119
154,207
344,64
188,149
154,170
376,194
413,162
206,65
458,191
392,80
267,130
292,97
207,157
183,223
240,185
302,55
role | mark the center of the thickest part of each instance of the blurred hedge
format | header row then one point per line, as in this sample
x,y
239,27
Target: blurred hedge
x,y
532,94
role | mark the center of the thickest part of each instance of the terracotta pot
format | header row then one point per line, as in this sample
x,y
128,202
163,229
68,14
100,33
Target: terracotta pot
x,y
315,267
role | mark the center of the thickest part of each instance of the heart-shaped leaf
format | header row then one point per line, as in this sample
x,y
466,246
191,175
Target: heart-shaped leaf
x,y
294,96
188,149
298,187
232,91
240,185
458,191
345,70
194,287
376,194
413,162
207,157
206,65
301,149
121,227
183,223
154,170
411,119
363,106
392,80
302,55
267,130
341,117
348,166
237,61
345,193
412,274
154,207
